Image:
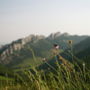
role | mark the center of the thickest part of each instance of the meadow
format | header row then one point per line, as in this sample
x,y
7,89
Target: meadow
x,y
69,76
62,74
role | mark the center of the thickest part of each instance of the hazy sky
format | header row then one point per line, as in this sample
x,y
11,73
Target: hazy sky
x,y
19,18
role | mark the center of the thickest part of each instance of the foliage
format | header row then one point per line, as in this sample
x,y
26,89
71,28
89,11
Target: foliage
x,y
56,76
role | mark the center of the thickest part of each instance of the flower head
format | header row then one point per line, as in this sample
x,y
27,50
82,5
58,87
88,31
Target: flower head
x,y
56,46
70,41
83,64
44,59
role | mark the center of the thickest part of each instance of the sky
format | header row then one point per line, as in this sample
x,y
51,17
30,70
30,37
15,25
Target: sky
x,y
20,18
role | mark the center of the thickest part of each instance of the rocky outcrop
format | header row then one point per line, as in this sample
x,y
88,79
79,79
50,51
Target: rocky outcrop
x,y
9,49
54,35
33,38
57,34
65,34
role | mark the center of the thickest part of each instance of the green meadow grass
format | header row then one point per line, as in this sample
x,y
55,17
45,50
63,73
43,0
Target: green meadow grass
x,y
59,78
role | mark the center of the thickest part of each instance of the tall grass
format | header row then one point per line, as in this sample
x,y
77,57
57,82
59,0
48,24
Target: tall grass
x,y
59,79
65,76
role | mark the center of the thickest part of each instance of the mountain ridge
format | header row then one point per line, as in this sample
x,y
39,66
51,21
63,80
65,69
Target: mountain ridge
x,y
39,43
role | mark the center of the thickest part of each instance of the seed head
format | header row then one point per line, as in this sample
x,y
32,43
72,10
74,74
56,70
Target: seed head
x,y
83,64
44,59
70,42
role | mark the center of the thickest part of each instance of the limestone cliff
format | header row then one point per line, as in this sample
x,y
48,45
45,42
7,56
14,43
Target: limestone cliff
x,y
17,45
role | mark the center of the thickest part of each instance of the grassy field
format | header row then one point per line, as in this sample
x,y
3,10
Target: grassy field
x,y
69,76
61,75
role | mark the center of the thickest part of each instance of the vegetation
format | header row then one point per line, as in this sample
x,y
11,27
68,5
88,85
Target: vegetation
x,y
35,68
62,75
59,78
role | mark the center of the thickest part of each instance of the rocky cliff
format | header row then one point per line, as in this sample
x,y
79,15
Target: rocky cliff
x,y
17,45
54,35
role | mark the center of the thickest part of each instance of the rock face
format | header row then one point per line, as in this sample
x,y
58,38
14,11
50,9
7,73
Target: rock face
x,y
65,34
57,34
54,35
32,38
7,50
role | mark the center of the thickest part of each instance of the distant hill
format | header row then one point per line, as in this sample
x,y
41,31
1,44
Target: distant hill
x,y
82,50
85,44
18,53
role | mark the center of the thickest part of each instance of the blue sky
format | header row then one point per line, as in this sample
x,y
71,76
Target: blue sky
x,y
19,18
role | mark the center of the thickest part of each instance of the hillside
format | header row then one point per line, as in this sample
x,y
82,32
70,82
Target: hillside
x,y
18,52
82,50
85,44
33,67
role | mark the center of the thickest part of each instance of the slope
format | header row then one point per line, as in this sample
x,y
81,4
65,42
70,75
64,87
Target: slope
x,y
39,49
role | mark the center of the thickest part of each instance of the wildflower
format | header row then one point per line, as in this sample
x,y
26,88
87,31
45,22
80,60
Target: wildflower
x,y
83,67
56,49
83,64
44,59
56,46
